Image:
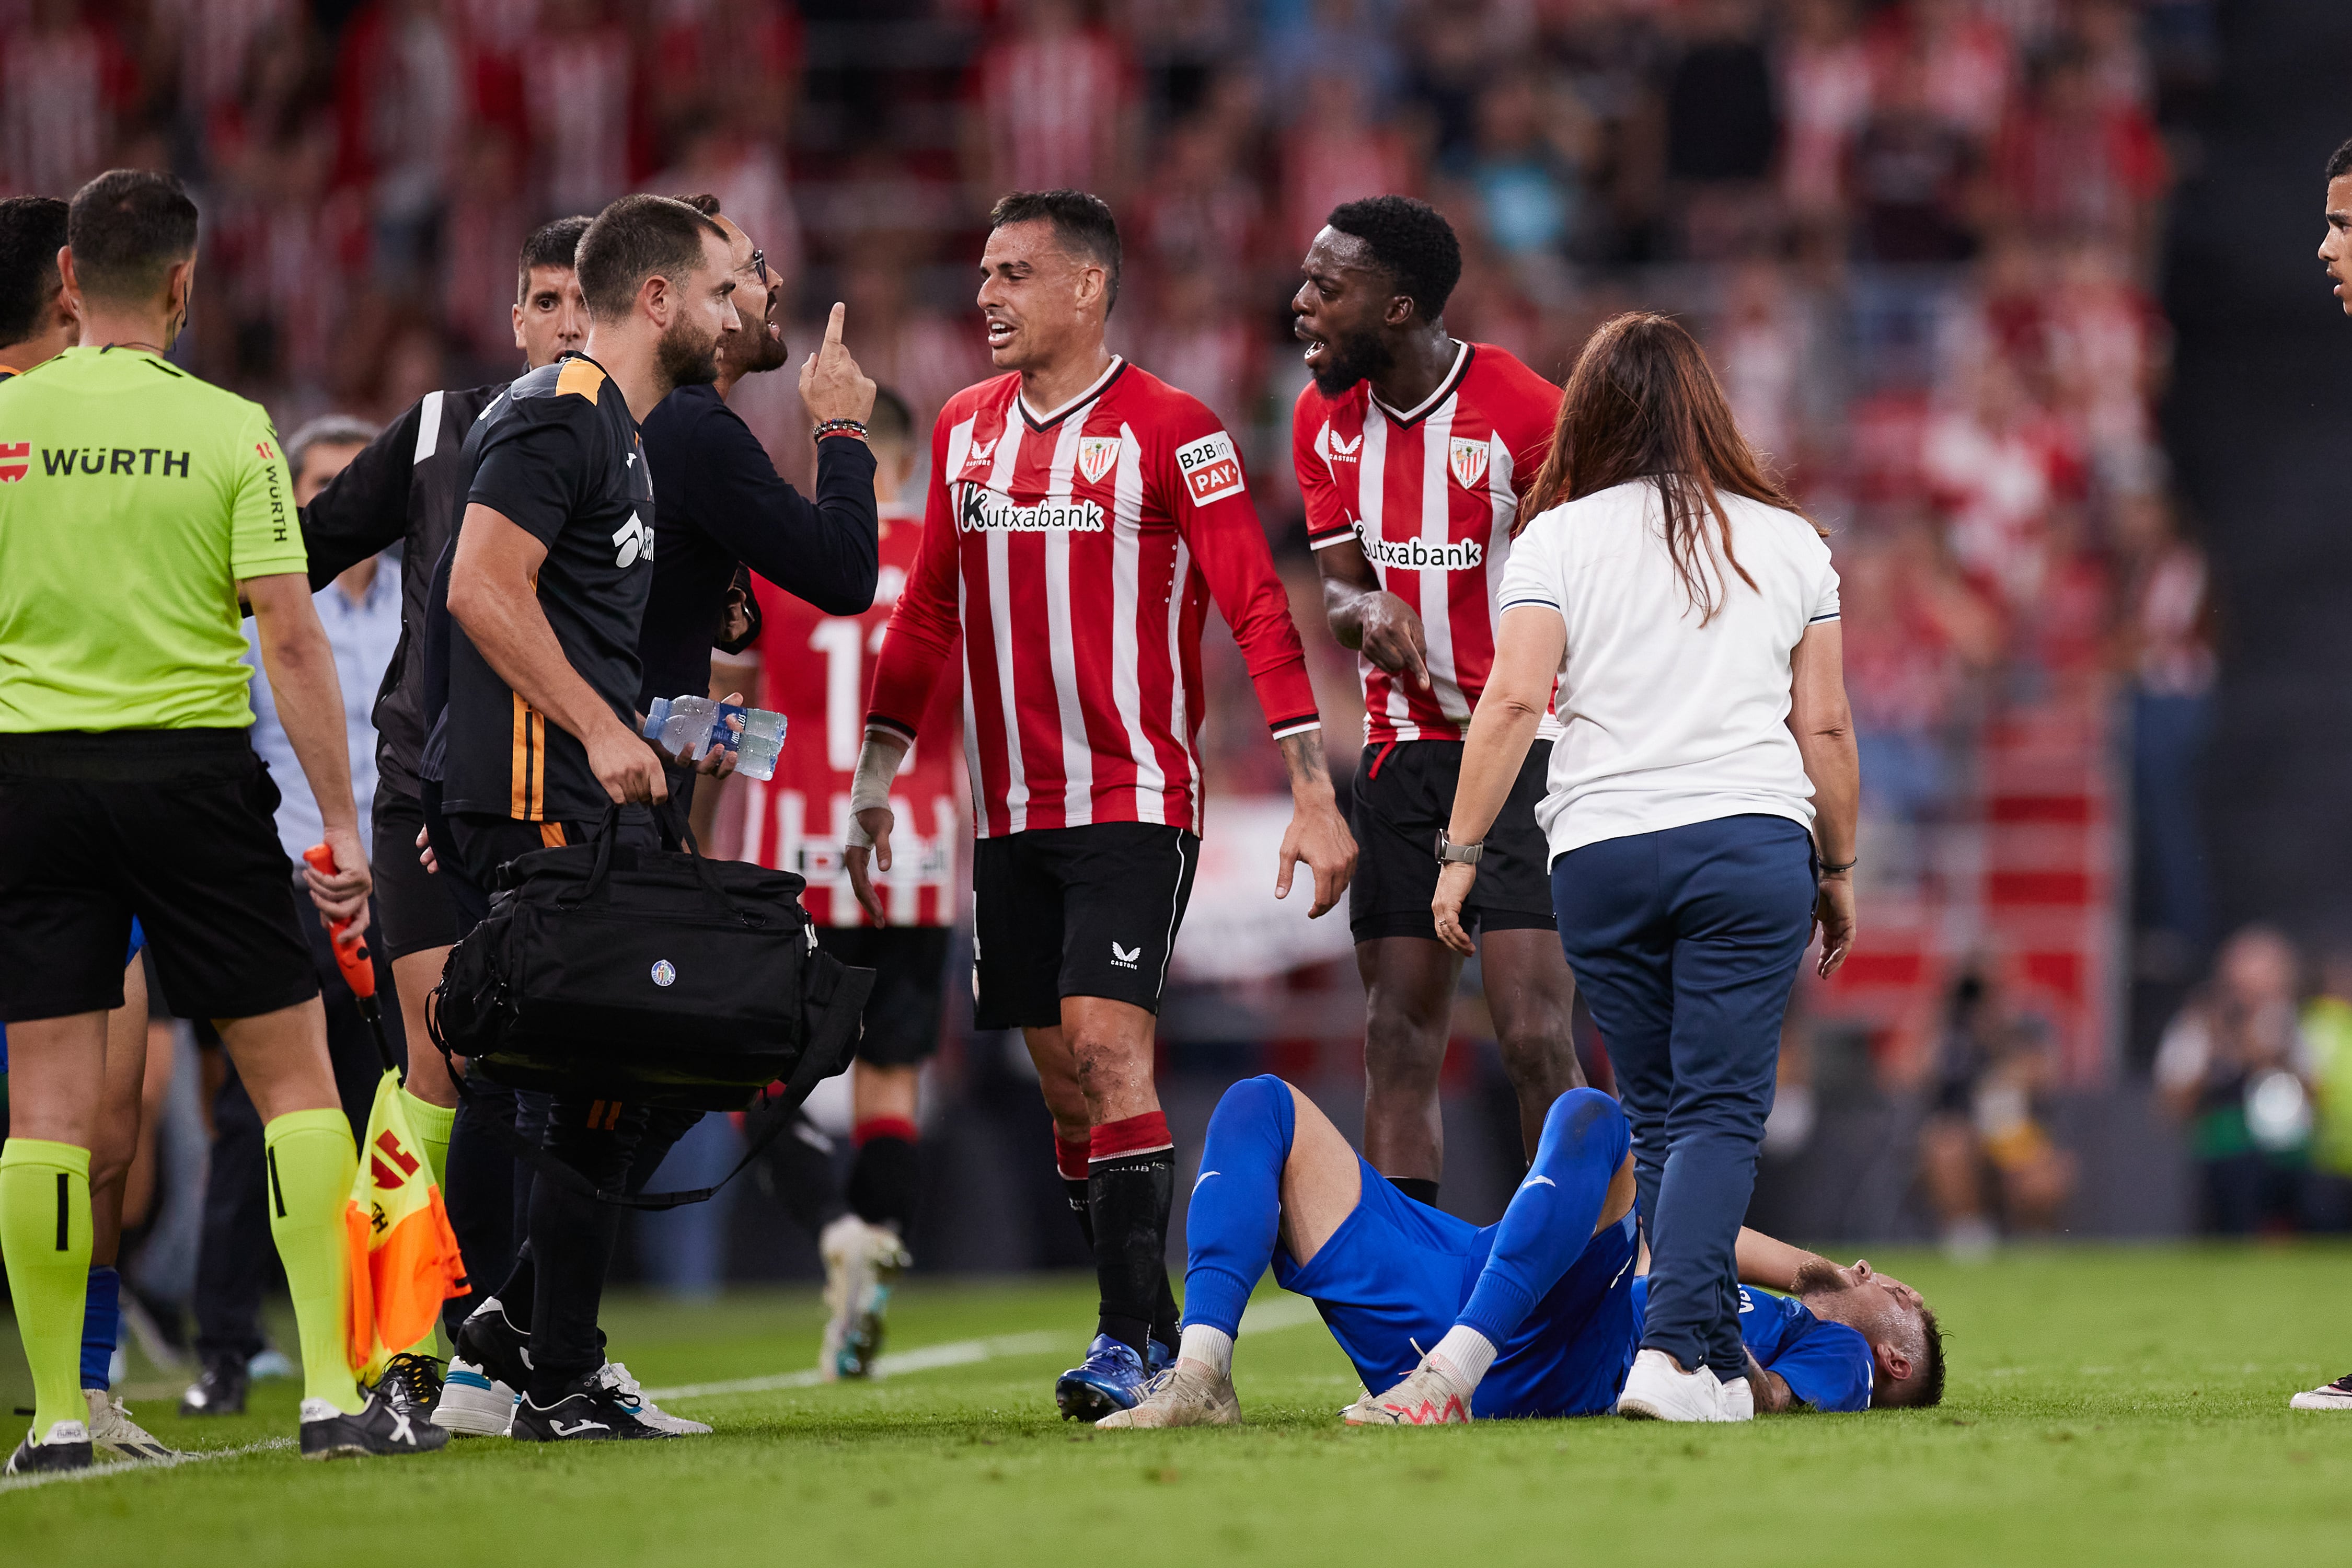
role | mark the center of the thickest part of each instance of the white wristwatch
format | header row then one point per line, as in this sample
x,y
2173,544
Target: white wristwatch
x,y
1451,853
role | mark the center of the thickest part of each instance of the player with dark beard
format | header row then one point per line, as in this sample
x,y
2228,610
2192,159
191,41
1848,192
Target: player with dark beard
x,y
1411,451
536,614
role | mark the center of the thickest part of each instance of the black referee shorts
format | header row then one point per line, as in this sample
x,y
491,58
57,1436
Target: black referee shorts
x,y
1404,797
909,965
1076,911
415,911
174,826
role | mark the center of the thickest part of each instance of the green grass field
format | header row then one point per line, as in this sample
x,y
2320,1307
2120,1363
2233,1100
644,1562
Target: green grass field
x,y
2120,1406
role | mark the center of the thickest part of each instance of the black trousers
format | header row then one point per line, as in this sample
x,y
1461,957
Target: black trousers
x,y
234,1249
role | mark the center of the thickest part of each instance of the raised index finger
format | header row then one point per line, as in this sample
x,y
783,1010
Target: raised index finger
x,y
832,325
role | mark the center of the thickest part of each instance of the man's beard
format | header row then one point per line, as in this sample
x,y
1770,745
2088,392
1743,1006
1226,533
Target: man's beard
x,y
685,360
759,350
1347,361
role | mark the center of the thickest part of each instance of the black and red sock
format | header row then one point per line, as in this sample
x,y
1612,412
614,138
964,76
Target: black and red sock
x,y
882,1181
1070,1158
1131,1193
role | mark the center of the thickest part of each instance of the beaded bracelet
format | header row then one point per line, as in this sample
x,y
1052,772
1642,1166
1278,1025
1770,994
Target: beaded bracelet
x,y
838,427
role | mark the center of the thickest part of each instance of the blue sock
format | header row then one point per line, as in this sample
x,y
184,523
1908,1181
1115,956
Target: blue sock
x,y
102,1325
1550,1218
1236,1206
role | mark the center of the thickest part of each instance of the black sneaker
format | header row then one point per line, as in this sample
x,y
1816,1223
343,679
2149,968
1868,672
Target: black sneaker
x,y
219,1390
378,1429
67,1447
592,1410
495,1345
411,1384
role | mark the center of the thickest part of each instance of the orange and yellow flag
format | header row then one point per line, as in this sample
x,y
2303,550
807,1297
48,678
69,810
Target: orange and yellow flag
x,y
404,1256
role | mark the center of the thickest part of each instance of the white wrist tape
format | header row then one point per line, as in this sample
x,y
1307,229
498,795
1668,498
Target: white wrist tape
x,y
877,765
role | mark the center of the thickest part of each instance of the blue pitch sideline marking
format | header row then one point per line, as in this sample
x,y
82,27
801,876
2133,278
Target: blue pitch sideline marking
x,y
1262,1318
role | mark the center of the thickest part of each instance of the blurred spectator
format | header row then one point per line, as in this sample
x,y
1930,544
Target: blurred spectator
x,y
1053,103
2076,165
1201,211
1354,39
1961,56
1524,166
1911,175
924,355
1722,129
1999,466
1913,632
738,62
2328,1032
1760,352
579,95
1824,99
1205,340
402,114
489,220
1989,1160
1332,154
65,81
2231,1068
2108,348
2167,631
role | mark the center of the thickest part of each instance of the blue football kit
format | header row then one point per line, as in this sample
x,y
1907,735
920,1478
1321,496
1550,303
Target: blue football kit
x,y
1827,1366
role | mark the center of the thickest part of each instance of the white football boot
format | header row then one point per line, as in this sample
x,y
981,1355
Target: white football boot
x,y
1184,1394
2336,1395
1429,1395
615,1376
1655,1391
112,1430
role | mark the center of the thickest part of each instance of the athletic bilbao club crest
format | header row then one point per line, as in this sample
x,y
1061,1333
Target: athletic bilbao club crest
x,y
1468,461
1096,455
16,461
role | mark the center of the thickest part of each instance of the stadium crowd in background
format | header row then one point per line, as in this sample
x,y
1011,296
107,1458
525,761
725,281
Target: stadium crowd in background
x,y
1917,236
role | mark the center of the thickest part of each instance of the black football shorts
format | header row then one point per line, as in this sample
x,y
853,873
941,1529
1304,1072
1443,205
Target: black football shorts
x,y
174,826
1076,911
1404,796
414,911
909,965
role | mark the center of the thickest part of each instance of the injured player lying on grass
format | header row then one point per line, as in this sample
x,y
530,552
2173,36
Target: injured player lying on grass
x,y
1539,1315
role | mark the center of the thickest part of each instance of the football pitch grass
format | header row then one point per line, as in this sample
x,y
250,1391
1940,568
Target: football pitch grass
x,y
2106,1405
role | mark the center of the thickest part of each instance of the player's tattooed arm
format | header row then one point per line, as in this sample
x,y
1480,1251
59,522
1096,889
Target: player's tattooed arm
x,y
1317,834
1365,616
1772,1390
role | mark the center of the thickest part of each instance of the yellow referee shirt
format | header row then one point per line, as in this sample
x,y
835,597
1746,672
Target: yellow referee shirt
x,y
133,497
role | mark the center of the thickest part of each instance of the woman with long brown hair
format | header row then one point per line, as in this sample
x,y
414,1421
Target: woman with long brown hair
x,y
1699,808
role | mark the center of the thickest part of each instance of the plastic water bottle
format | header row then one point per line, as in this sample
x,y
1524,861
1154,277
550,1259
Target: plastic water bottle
x,y
687,731
761,742
656,718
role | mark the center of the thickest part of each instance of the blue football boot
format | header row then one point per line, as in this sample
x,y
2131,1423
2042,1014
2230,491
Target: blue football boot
x,y
1110,1378
1157,1358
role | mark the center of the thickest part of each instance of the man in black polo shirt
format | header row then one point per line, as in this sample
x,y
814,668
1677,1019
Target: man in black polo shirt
x,y
724,505
547,588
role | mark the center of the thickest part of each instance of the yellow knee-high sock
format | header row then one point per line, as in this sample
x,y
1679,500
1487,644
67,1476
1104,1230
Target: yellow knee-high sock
x,y
431,1123
311,1161
45,1236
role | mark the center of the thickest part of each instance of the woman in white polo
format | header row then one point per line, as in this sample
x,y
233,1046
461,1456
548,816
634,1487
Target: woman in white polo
x,y
1700,806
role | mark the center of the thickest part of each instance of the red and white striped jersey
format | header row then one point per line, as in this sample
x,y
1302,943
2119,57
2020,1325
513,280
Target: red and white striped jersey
x,y
1432,495
814,670
1076,552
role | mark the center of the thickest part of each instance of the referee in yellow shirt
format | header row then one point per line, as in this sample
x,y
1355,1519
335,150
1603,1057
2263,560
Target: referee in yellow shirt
x,y
137,506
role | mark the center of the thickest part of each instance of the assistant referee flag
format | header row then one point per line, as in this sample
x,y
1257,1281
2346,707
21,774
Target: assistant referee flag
x,y
404,1256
